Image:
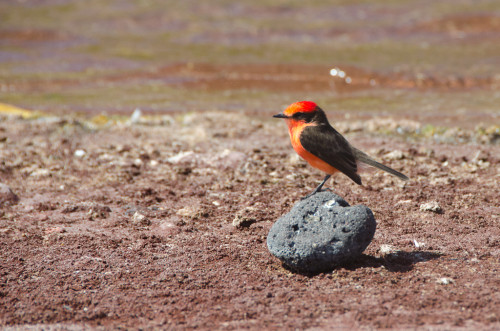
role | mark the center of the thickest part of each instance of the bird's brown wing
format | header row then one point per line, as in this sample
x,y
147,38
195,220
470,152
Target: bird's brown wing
x,y
330,146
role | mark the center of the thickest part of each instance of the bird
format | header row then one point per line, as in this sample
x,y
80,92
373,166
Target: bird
x,y
323,147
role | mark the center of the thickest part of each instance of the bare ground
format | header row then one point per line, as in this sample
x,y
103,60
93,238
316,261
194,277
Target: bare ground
x,y
122,225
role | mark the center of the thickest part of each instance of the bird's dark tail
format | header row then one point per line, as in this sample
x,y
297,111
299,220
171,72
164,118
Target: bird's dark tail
x,y
362,157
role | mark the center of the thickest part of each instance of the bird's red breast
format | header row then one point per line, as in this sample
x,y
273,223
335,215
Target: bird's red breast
x,y
295,129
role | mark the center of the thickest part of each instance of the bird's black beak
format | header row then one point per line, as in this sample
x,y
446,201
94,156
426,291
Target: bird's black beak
x,y
280,115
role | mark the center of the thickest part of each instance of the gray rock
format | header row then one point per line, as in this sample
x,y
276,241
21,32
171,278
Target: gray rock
x,y
321,232
7,197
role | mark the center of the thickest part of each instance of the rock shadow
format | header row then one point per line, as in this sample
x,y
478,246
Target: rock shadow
x,y
400,261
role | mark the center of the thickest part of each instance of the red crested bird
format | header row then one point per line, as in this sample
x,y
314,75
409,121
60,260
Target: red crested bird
x,y
317,142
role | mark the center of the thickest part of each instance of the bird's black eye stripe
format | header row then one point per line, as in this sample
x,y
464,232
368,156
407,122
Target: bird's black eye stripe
x,y
303,116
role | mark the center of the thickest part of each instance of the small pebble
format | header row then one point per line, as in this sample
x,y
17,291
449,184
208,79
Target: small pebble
x,y
79,153
444,281
395,155
40,172
136,116
140,219
182,157
387,249
187,211
244,218
431,206
418,244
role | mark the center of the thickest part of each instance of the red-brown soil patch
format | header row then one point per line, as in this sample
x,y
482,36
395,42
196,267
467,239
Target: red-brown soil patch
x,y
137,231
29,35
469,24
270,77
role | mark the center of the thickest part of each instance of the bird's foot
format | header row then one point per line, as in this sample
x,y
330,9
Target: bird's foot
x,y
313,193
308,196
317,189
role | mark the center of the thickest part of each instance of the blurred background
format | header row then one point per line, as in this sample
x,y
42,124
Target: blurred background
x,y
433,61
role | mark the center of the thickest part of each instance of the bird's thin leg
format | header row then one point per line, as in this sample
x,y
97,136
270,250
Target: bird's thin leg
x,y
318,189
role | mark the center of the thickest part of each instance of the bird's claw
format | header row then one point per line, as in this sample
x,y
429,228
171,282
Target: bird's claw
x,y
318,189
314,192
307,196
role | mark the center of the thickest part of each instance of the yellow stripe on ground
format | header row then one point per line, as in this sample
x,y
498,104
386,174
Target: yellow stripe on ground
x,y
16,111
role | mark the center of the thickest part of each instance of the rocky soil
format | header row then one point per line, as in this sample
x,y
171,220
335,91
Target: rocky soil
x,y
163,222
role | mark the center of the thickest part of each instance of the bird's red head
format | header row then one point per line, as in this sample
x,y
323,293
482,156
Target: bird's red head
x,y
300,107
301,114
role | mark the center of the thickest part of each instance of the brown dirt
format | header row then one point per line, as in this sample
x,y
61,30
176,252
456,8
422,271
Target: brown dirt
x,y
29,35
272,77
308,78
137,232
465,24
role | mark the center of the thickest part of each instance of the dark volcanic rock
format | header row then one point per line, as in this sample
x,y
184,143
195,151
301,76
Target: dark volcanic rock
x,y
321,232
